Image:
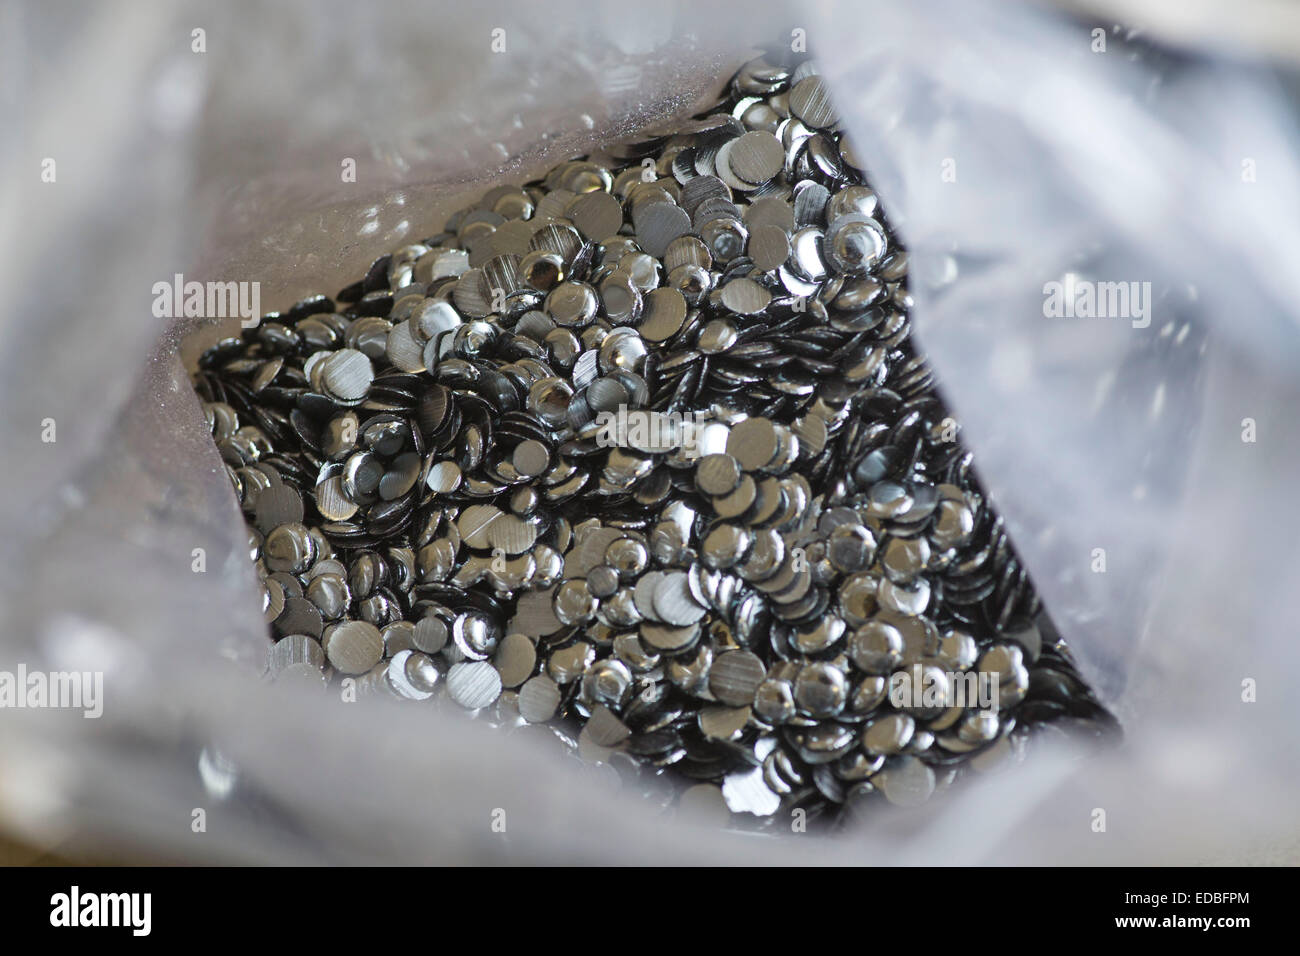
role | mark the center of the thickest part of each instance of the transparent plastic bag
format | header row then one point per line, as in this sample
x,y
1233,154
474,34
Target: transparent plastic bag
x,y
1007,152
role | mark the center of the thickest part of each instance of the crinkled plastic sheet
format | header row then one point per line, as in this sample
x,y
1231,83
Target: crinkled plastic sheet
x,y
1088,433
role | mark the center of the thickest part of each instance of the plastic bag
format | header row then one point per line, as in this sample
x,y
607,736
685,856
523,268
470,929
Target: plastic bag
x,y
1008,152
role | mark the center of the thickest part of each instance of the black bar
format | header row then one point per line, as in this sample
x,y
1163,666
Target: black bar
x,y
252,905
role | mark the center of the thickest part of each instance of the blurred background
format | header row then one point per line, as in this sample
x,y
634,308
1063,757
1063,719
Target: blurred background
x,y
1133,141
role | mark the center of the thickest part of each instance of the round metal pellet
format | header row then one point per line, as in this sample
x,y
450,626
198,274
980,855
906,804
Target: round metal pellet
x,y
572,304
888,499
723,723
412,675
957,651
289,548
606,395
663,315
299,616
745,296
806,253
821,689
400,477
876,647
567,664
331,501
621,298
275,597
852,547
560,238
686,251
658,224
852,199
812,434
574,603
717,337
347,374
811,104
511,534
403,350
735,676
628,557
539,698
542,270
278,505
515,659
385,437
756,157
869,694
854,244
699,188
693,282
602,581
354,647
598,215
739,501
753,443
474,524
472,295
669,639
765,555
905,781
769,246
398,636
726,546
429,635
909,600
362,473
475,635
819,634
953,524
531,458
329,593
643,593
473,684
535,613
1002,659
770,211
979,727
674,603
717,474
549,398
295,649
607,681
774,701
434,317
444,477
905,558
889,734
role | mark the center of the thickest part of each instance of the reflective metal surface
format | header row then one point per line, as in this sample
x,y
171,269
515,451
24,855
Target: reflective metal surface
x,y
643,448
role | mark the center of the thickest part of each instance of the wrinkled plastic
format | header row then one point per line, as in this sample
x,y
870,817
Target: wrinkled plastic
x,y
1008,153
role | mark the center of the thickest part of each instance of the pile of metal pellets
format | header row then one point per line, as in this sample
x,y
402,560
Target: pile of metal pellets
x,y
643,451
